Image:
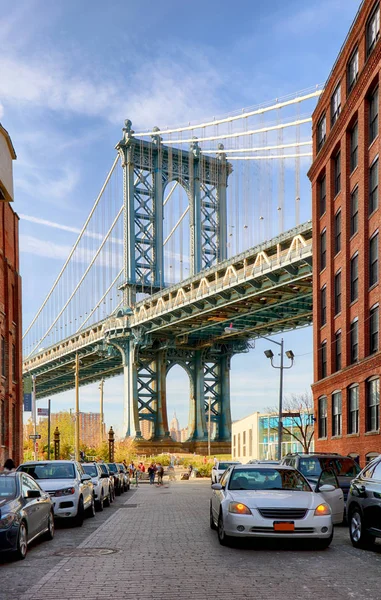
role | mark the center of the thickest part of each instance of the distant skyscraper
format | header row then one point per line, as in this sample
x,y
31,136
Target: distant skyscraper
x,y
174,429
146,427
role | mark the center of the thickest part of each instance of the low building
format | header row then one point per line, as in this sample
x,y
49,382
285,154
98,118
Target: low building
x,y
11,428
255,437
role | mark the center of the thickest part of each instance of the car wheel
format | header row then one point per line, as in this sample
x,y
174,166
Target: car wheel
x,y
323,543
78,519
100,503
91,509
118,490
49,535
107,500
357,532
127,487
22,541
222,537
212,523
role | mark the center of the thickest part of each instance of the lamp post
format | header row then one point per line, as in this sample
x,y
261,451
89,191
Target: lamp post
x,y
76,439
269,354
101,384
209,408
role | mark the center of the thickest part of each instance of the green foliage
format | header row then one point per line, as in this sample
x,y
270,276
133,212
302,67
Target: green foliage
x,y
163,459
205,470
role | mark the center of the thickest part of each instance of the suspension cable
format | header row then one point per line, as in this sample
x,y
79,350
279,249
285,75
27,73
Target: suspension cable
x,y
258,149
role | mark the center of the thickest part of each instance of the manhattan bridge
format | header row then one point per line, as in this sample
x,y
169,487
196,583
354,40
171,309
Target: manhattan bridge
x,y
198,243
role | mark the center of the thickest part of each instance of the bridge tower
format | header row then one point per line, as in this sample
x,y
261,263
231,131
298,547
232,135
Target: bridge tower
x,y
148,167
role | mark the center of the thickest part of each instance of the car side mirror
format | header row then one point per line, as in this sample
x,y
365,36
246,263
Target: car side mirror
x,y
85,477
33,494
326,487
217,486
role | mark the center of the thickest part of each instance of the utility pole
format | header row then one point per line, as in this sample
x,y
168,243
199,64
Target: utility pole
x,y
209,407
49,429
76,439
101,384
34,417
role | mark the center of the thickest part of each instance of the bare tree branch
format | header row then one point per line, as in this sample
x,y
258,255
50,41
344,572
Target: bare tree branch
x,y
301,407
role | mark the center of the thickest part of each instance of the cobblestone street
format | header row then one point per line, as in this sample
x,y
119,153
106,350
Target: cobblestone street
x,y
156,543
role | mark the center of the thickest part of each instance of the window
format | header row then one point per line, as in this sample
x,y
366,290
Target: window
x,y
323,250
373,260
336,413
354,278
338,350
373,330
250,442
372,404
353,69
322,195
354,211
354,341
239,444
234,446
335,104
322,417
338,293
377,472
323,306
373,115
337,172
3,356
353,409
244,443
373,29
338,232
373,186
354,144
321,132
323,360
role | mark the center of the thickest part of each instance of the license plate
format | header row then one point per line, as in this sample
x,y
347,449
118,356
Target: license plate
x,y
284,526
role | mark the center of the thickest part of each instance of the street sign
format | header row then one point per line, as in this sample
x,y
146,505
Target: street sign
x,y
43,412
36,436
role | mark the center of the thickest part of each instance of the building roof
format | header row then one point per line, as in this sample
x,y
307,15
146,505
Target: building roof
x,y
5,133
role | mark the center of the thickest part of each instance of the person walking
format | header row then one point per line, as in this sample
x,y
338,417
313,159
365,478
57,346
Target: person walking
x,y
9,466
160,473
151,474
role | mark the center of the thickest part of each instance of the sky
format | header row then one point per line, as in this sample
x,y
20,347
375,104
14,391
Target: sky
x,y
72,71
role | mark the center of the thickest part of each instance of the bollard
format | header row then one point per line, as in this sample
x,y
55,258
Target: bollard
x,y
56,444
111,443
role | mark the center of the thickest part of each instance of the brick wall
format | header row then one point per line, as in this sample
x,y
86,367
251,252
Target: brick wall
x,y
354,107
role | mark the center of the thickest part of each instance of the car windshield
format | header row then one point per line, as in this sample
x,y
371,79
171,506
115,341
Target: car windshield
x,y
7,487
268,479
103,468
312,466
54,470
113,468
90,470
222,466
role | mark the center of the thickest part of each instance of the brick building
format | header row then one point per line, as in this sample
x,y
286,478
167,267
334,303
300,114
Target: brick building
x,y
346,245
10,312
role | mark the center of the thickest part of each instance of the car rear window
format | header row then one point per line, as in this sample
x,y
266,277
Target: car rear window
x,y
7,487
222,466
90,470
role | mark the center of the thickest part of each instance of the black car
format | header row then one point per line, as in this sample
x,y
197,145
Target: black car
x,y
311,465
118,478
26,512
364,505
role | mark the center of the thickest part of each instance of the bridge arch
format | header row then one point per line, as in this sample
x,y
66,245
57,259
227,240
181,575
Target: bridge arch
x,y
176,230
179,390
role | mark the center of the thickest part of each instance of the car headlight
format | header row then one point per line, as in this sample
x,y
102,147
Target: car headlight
x,y
65,492
239,508
7,521
322,510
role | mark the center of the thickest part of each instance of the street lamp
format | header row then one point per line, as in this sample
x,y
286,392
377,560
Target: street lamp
x,y
290,355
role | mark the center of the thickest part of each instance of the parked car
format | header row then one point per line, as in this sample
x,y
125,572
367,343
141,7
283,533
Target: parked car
x,y
312,464
118,478
26,512
126,476
256,461
100,484
273,501
110,478
364,505
220,468
69,487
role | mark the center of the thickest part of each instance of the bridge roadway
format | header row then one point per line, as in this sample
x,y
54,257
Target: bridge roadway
x,y
155,543
263,291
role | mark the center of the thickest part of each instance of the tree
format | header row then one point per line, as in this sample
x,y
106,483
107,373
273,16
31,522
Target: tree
x,y
299,424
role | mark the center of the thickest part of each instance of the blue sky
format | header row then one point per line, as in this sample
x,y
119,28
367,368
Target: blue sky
x,y
71,72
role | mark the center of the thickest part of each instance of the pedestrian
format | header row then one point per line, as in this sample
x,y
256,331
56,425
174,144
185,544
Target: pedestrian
x,y
9,466
215,462
190,469
160,474
151,474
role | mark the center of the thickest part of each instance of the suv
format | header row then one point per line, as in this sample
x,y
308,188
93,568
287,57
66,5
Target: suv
x,y
312,464
118,478
126,476
69,487
100,483
364,505
111,486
